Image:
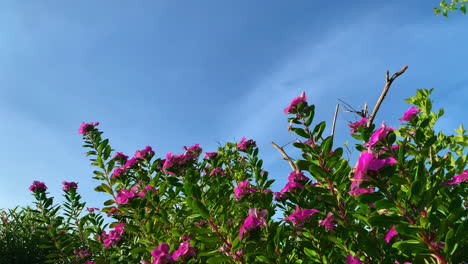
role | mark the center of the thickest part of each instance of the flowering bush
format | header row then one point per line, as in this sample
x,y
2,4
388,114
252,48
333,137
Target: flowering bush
x,y
405,201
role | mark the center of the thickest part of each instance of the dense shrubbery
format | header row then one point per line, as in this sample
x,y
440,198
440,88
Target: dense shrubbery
x,y
19,237
405,200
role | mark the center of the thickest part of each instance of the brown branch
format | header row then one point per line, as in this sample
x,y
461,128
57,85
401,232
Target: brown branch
x,y
334,120
388,83
286,157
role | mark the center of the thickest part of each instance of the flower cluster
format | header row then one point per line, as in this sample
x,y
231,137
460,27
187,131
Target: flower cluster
x,y
112,239
38,186
67,186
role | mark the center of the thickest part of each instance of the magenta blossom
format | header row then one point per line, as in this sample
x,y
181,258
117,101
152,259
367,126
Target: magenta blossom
x,y
217,171
368,161
300,216
202,223
354,126
378,135
67,186
350,259
92,209
148,188
279,195
114,235
81,254
291,186
243,189
176,161
255,219
297,176
328,222
130,163
359,191
37,186
209,155
410,114
184,251
85,128
142,154
161,254
194,150
123,195
397,262
113,211
391,233
244,144
118,172
90,262
295,102
463,177
120,155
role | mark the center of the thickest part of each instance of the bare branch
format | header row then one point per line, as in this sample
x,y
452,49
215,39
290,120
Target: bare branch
x,y
286,157
334,120
388,83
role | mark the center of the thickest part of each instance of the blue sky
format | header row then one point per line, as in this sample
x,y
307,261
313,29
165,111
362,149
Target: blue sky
x,y
175,73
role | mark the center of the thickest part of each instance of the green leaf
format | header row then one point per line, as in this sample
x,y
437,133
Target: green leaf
x,y
300,132
327,145
201,209
410,247
218,259
103,188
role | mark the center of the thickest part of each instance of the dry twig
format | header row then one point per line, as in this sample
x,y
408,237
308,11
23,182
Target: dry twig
x,y
389,82
286,156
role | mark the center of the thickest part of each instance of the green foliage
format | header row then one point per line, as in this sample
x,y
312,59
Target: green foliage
x,y
407,201
19,236
445,7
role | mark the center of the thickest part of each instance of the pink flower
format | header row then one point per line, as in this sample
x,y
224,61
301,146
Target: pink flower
x,y
295,102
463,177
353,260
368,161
202,223
67,186
114,235
142,193
118,172
354,126
120,155
391,233
297,176
90,262
92,209
378,135
130,163
244,144
161,254
300,216
81,254
123,196
328,222
113,211
194,150
184,251
255,219
217,171
291,186
209,155
142,154
243,189
85,128
396,262
410,114
359,191
176,161
37,186
279,195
